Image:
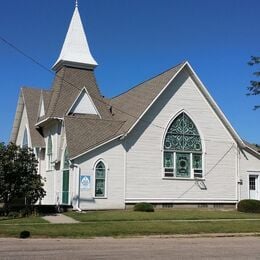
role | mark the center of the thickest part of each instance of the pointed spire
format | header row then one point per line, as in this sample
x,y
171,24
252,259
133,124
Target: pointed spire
x,y
75,51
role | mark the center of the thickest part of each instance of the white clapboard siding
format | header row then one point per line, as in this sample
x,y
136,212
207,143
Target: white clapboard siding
x,y
249,164
53,178
49,187
24,124
144,144
112,155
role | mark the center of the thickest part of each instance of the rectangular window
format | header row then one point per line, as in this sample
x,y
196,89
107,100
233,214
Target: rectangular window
x,y
100,188
168,164
197,165
252,183
182,165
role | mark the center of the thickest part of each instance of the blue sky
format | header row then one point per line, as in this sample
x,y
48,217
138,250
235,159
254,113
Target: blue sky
x,y
133,40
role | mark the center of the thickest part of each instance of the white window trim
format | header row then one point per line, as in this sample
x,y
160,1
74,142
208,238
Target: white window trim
x,y
203,152
94,182
49,163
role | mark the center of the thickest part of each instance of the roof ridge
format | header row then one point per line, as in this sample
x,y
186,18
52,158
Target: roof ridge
x,y
61,78
94,119
32,88
153,77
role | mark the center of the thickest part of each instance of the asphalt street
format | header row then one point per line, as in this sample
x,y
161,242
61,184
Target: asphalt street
x,y
132,248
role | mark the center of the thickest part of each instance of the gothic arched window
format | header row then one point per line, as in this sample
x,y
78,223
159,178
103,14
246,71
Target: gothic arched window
x,y
25,138
49,154
100,179
182,149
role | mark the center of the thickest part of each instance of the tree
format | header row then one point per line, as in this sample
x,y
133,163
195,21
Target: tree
x,y
18,175
254,88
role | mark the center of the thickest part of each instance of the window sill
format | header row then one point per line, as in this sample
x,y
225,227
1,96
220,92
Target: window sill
x,y
100,197
183,179
49,170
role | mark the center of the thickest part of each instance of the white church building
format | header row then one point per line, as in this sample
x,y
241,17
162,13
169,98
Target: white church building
x,y
164,141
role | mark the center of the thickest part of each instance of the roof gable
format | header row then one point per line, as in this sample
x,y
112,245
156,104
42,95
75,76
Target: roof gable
x,y
83,104
67,86
30,99
138,100
131,105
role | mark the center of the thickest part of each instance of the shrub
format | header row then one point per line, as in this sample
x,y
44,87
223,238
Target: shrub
x,y
13,214
147,207
252,206
25,234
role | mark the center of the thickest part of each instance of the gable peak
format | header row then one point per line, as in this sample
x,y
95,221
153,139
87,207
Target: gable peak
x,y
83,104
75,50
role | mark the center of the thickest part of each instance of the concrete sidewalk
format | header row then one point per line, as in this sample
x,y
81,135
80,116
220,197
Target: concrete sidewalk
x,y
60,219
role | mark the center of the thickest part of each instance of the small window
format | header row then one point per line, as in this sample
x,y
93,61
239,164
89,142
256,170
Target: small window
x,y
25,138
252,183
49,154
100,180
66,178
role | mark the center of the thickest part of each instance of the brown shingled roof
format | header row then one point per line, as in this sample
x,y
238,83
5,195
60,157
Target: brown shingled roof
x,y
83,133
67,85
130,105
31,98
254,147
46,94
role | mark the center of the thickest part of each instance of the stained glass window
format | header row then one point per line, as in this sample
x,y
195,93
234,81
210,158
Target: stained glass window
x,y
100,180
182,149
182,135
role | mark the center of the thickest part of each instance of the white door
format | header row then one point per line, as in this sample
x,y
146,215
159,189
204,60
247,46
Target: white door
x,y
253,187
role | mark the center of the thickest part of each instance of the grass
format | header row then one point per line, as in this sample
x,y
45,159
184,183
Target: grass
x,y
129,215
130,228
131,223
25,220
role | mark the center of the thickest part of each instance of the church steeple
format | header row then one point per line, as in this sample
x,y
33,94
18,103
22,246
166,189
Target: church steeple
x,y
75,50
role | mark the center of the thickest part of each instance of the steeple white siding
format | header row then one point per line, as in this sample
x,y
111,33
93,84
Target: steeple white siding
x,y
144,145
75,50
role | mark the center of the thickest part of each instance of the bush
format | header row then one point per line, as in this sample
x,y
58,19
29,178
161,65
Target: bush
x,y
252,206
13,214
45,209
25,234
147,207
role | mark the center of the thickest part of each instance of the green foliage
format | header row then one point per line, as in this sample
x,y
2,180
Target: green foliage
x,y
147,207
18,175
13,214
252,206
254,88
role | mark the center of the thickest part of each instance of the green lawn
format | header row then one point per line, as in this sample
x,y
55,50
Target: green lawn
x,y
26,220
131,223
129,215
130,228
